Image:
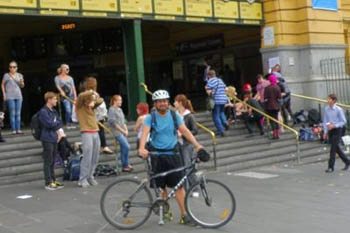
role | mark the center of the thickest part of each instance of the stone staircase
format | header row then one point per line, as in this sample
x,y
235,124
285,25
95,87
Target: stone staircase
x,y
21,162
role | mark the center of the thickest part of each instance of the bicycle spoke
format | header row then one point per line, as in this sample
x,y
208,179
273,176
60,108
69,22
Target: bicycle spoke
x,y
125,204
211,205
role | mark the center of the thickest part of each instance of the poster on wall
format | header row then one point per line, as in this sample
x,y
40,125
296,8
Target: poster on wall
x,y
99,5
269,36
273,61
18,3
169,7
325,4
60,4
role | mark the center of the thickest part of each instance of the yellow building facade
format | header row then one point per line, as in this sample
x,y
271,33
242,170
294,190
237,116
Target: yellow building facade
x,y
304,36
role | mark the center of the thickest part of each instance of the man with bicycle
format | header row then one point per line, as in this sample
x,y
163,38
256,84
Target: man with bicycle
x,y
163,141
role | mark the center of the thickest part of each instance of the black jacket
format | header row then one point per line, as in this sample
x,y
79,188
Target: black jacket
x,y
50,122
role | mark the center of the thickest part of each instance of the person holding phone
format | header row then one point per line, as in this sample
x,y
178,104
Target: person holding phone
x,y
11,85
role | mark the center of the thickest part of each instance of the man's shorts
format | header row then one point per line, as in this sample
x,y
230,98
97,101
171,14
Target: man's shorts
x,y
164,163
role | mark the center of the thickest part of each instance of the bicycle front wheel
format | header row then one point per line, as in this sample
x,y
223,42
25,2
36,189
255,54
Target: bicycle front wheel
x,y
210,203
126,203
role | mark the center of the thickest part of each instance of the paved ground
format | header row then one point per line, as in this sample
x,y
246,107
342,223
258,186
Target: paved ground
x,y
298,199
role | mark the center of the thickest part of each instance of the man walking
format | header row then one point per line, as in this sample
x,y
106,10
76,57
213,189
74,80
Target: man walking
x,y
161,125
333,122
49,123
216,88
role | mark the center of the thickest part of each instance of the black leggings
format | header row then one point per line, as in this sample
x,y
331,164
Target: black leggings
x,y
273,113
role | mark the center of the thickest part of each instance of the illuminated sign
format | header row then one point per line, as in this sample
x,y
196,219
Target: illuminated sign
x,y
68,26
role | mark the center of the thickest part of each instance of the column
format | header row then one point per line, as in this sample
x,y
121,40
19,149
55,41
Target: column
x,y
134,67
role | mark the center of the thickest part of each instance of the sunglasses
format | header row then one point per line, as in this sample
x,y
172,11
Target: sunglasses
x,y
13,67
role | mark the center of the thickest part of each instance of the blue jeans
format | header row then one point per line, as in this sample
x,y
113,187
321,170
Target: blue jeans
x,y
15,107
219,117
67,111
124,149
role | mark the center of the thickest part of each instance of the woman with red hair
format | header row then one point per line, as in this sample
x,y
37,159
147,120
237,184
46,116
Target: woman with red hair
x,y
142,110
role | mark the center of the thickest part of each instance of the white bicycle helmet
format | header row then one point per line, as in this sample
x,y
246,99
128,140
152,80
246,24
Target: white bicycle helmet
x,y
160,95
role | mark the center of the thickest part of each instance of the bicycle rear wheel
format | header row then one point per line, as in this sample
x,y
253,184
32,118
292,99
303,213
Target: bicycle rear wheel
x,y
210,203
126,203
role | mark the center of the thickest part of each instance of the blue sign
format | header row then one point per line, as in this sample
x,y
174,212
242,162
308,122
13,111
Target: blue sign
x,y
325,4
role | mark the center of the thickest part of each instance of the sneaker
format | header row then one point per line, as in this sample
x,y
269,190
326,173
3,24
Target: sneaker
x,y
92,182
168,216
14,132
19,132
83,184
186,220
107,150
52,186
58,184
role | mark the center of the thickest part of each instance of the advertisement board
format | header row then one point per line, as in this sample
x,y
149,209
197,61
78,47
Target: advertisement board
x,y
99,5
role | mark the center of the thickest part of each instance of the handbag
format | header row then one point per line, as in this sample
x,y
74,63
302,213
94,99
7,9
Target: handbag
x,y
210,102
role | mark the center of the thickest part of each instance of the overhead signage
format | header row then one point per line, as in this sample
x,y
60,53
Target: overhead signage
x,y
223,9
99,5
210,11
199,8
60,4
251,11
136,6
202,44
169,7
18,3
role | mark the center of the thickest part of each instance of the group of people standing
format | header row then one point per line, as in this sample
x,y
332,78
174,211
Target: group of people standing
x,y
272,96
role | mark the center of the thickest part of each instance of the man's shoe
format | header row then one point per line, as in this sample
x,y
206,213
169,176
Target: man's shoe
x,y
58,184
83,184
52,186
92,182
186,220
346,167
107,150
329,170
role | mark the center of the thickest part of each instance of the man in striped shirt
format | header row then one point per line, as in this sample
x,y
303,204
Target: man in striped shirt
x,y
216,88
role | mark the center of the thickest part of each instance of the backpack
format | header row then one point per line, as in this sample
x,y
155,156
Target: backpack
x,y
72,171
35,126
104,170
306,134
313,117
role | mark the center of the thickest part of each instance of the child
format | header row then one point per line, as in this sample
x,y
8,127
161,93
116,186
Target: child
x,y
142,110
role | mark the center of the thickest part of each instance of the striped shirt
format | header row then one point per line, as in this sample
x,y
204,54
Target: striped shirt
x,y
218,87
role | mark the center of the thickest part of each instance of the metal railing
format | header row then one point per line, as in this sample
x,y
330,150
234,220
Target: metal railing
x,y
207,130
296,133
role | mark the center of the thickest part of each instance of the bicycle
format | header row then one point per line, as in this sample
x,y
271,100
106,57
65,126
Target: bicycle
x,y
127,203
